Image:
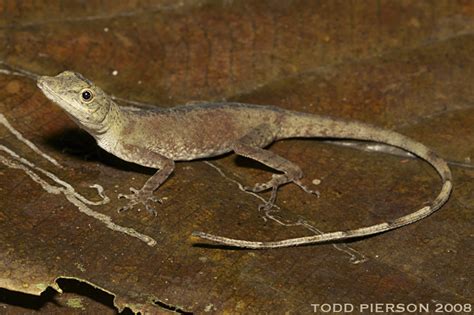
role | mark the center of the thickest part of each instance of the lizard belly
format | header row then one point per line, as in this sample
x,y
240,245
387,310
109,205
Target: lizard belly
x,y
179,152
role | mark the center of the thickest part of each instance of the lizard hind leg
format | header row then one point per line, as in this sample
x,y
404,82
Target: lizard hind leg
x,y
249,146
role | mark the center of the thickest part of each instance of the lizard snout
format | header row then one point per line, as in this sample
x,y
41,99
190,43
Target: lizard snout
x,y
43,81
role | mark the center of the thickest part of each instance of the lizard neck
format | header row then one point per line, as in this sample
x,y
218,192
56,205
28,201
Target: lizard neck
x,y
109,134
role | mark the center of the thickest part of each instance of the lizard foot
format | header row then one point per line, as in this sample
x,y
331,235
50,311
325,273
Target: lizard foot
x,y
276,181
273,184
306,189
139,197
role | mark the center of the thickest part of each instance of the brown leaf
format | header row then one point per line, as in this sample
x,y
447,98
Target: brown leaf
x,y
403,65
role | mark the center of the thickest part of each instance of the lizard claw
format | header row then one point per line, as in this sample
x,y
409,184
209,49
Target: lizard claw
x,y
139,197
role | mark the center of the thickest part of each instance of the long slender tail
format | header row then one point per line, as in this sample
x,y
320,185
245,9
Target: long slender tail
x,y
305,125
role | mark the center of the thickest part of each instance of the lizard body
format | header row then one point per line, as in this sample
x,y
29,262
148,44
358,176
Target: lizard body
x,y
157,138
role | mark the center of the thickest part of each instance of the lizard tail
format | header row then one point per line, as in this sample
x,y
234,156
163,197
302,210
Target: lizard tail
x,y
305,125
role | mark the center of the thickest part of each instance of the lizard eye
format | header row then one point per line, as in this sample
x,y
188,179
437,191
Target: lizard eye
x,y
87,96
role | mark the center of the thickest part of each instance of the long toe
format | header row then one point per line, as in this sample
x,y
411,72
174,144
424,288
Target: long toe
x,y
306,189
151,210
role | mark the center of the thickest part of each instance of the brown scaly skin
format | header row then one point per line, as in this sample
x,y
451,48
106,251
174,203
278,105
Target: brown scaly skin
x,y
158,137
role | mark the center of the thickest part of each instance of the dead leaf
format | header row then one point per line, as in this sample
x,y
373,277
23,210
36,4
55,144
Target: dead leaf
x,y
403,65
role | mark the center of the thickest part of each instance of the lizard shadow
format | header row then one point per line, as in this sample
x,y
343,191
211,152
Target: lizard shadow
x,y
81,146
241,161
245,162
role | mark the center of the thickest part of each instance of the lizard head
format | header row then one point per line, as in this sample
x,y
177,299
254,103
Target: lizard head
x,y
84,102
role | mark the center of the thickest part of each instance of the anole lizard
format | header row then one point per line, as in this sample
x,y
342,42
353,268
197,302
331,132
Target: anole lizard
x,y
157,138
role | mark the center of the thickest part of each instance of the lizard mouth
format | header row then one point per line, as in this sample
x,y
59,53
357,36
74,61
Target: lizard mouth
x,y
49,93
43,80
44,83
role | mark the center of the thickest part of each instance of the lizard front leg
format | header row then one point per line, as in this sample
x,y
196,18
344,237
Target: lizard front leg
x,y
145,194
